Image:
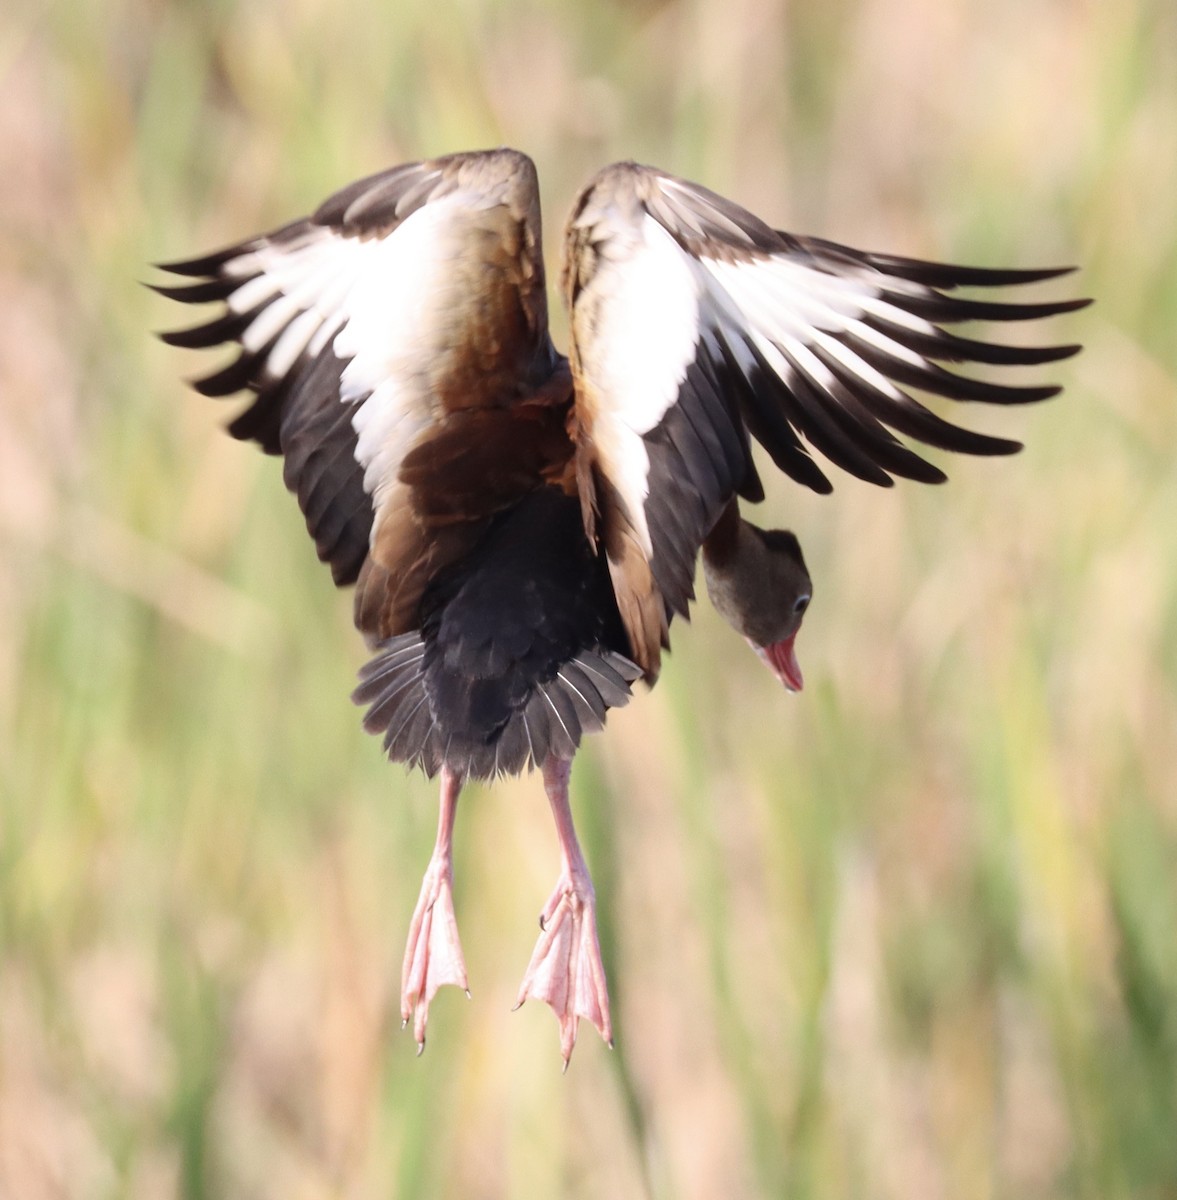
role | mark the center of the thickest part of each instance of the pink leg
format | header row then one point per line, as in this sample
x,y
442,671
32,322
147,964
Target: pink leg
x,y
566,971
433,954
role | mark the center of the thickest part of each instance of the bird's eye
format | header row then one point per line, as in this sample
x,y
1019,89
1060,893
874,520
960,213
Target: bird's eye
x,y
800,604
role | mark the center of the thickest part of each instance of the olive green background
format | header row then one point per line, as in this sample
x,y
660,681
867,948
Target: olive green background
x,y
910,934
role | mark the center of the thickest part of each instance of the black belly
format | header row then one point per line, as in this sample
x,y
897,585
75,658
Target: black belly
x,y
520,650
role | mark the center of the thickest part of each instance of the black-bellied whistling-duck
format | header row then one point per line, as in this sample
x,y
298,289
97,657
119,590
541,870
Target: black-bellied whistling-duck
x,y
521,527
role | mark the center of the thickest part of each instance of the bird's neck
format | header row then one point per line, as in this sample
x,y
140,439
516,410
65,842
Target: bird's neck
x,y
721,547
734,568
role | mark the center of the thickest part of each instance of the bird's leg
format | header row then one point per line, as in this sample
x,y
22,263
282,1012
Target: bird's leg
x,y
433,954
566,971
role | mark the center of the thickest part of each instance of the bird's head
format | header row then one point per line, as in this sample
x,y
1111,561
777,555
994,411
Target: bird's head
x,y
759,584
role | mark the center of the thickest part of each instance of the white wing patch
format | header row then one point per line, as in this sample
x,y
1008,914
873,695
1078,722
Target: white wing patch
x,y
646,340
396,312
788,307
376,302
775,293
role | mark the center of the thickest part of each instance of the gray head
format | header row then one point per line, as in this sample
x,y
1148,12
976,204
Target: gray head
x,y
759,584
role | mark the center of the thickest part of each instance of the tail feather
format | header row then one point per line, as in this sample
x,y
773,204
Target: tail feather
x,y
395,687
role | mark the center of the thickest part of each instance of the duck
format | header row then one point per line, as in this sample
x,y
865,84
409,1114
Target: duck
x,y
522,527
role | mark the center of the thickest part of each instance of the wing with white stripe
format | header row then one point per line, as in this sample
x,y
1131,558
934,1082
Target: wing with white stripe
x,y
696,325
407,300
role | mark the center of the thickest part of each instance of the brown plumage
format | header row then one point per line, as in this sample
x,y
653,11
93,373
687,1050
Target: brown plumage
x,y
523,528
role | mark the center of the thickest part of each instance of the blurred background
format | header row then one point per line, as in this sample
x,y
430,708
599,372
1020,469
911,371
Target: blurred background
x,y
911,934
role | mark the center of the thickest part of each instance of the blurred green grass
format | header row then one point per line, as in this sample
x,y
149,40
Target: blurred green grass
x,y
911,934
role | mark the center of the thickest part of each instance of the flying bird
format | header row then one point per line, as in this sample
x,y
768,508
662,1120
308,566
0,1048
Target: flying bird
x,y
522,527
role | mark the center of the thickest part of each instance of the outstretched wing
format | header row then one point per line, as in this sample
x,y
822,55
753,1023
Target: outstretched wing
x,y
695,326
396,345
